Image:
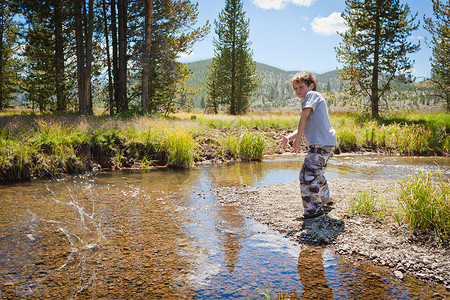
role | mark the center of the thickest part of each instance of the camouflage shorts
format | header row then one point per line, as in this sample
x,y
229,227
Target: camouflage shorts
x,y
313,185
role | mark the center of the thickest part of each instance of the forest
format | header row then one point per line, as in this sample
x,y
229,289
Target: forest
x,y
118,55
121,57
275,92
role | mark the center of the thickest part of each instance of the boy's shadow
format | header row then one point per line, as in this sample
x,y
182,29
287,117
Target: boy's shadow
x,y
319,231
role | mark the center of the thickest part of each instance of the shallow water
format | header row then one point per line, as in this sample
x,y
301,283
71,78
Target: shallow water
x,y
162,234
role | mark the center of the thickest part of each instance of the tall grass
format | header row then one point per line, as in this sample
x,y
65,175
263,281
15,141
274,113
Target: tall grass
x,y
248,146
369,203
408,135
46,145
423,204
147,137
51,146
180,146
251,146
230,146
426,203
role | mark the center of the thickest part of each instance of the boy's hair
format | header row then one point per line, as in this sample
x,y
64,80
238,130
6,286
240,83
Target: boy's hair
x,y
305,77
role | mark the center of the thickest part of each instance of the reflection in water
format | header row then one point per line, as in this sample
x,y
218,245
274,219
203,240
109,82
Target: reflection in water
x,y
369,282
312,274
232,224
162,234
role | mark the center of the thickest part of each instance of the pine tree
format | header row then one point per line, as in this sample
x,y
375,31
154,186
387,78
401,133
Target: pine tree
x,y
9,65
84,29
173,32
212,82
236,78
38,83
148,22
439,27
375,47
46,52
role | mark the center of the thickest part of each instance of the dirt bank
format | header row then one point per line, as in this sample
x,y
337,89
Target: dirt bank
x,y
363,238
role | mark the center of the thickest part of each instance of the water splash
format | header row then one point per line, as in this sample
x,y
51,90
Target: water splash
x,y
83,233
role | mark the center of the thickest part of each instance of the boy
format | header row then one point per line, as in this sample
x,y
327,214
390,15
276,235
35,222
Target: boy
x,y
321,138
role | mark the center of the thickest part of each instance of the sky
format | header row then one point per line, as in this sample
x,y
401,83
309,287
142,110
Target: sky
x,y
297,35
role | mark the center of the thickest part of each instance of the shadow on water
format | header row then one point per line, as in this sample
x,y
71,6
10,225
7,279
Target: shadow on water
x,y
162,234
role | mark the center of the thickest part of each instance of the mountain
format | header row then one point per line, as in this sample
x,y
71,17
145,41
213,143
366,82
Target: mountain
x,y
275,89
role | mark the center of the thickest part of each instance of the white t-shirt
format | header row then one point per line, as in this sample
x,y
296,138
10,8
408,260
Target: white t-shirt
x,y
318,129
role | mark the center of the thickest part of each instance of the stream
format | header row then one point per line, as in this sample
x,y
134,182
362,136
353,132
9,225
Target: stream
x,y
161,234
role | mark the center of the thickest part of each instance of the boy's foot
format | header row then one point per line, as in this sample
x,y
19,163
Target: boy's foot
x,y
329,203
308,217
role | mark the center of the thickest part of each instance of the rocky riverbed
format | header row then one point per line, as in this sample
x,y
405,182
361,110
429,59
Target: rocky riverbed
x,y
364,238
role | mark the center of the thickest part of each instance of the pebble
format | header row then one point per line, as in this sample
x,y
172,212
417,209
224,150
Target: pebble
x,y
383,244
398,274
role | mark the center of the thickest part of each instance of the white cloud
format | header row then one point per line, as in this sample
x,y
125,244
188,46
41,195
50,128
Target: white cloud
x,y
306,3
270,4
184,55
280,4
329,25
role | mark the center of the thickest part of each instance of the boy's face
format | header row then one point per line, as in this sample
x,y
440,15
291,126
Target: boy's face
x,y
301,89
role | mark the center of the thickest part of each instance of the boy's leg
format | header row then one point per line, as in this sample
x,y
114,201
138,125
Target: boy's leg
x,y
313,185
324,192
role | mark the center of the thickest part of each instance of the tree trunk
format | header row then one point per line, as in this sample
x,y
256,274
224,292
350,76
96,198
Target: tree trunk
x,y
108,62
88,66
122,71
61,104
83,36
233,104
115,59
374,98
79,53
146,56
2,28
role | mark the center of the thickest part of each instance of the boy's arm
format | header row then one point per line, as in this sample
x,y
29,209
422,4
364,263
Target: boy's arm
x,y
301,127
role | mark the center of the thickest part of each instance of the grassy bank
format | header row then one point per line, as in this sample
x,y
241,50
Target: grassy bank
x,y
422,203
413,134
50,146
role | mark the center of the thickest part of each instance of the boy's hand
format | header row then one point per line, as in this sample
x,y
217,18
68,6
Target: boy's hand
x,y
284,141
297,144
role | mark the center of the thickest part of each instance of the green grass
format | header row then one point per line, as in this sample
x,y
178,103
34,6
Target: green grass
x,y
43,146
408,134
364,202
57,146
251,146
423,204
180,146
369,203
414,134
252,121
426,204
266,294
230,146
